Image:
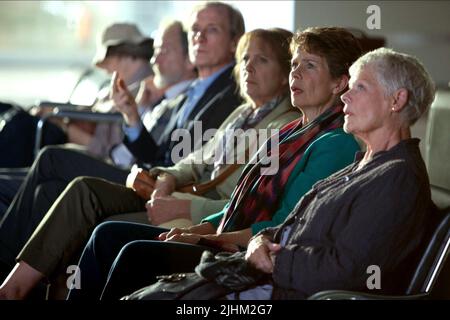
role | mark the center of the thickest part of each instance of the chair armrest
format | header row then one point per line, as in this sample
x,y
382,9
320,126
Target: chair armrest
x,y
353,295
64,112
52,104
86,115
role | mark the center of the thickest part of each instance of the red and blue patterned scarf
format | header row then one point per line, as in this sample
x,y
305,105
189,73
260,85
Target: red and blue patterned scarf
x,y
256,197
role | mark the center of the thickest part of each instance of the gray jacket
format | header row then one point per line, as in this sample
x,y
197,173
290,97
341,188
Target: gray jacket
x,y
376,216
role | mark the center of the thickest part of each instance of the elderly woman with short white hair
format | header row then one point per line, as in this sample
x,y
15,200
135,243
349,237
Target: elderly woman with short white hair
x,y
375,212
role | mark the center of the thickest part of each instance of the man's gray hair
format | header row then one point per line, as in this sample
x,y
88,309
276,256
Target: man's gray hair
x,y
237,24
167,24
397,70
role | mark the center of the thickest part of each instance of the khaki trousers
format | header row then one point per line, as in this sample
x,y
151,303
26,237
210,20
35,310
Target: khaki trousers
x,y
67,226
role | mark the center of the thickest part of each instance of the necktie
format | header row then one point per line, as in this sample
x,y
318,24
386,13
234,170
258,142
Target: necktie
x,y
187,106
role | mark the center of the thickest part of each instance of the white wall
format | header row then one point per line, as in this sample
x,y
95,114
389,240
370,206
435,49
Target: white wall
x,y
29,73
421,28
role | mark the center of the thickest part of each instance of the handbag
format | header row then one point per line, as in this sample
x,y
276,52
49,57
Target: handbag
x,y
180,286
215,277
230,270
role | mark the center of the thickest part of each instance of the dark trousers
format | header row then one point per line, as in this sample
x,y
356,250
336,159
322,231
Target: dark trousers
x,y
18,135
10,182
102,248
125,257
52,171
139,262
65,229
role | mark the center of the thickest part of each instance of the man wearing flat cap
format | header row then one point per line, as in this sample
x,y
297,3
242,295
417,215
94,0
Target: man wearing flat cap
x,y
122,48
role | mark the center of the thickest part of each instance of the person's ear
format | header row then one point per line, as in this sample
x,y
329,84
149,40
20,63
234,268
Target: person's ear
x,y
399,99
340,84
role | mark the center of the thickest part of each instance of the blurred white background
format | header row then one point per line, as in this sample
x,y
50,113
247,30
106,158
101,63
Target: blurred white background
x,y
46,45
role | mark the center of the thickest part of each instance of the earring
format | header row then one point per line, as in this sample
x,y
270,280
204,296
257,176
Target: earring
x,y
393,109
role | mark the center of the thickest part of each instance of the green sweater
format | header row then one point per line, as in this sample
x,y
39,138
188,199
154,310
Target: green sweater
x,y
326,155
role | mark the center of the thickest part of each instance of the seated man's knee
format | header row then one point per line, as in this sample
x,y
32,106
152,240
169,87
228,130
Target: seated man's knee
x,y
48,151
80,183
48,156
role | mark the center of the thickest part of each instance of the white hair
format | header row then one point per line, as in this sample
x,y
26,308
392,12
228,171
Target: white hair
x,y
395,71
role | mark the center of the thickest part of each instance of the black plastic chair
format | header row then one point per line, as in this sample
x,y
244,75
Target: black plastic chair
x,y
73,110
424,278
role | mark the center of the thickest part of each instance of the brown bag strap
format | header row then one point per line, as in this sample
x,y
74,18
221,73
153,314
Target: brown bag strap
x,y
202,188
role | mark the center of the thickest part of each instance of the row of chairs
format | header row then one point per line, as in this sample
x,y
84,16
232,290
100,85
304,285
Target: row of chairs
x,y
91,84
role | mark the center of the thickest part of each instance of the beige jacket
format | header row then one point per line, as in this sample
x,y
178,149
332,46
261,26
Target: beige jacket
x,y
187,171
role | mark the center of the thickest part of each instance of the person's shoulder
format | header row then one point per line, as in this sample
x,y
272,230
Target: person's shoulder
x,y
338,139
282,115
337,133
241,108
403,161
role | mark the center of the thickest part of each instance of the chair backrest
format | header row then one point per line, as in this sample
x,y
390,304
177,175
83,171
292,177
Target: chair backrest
x,y
438,149
90,87
433,260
